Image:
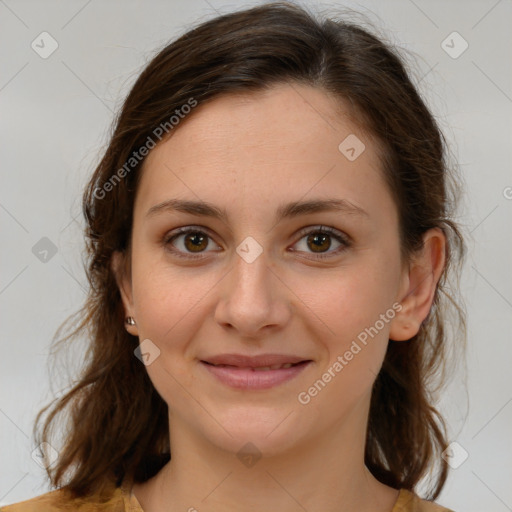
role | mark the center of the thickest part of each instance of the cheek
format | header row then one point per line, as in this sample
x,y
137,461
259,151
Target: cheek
x,y
162,293
167,305
355,306
355,346
170,305
350,300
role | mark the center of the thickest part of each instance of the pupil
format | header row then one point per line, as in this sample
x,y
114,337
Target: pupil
x,y
315,239
198,239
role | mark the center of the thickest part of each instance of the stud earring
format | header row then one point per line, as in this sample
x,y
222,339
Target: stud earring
x,y
130,320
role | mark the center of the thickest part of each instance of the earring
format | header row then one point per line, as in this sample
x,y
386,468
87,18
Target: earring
x,y
130,320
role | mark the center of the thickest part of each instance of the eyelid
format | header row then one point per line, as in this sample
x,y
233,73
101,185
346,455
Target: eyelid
x,y
320,228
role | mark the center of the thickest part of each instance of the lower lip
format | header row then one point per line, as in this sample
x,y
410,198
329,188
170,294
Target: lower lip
x,y
244,378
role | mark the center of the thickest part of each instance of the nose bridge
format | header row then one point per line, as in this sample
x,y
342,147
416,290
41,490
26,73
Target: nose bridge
x,y
251,298
250,279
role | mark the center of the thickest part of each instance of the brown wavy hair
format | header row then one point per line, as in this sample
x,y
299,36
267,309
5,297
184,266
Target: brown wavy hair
x,y
117,422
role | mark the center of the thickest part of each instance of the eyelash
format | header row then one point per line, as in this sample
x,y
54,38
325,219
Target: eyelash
x,y
323,230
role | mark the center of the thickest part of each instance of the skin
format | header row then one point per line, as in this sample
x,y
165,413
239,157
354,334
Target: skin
x,y
250,154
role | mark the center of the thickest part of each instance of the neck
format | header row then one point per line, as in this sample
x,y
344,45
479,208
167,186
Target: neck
x,y
325,472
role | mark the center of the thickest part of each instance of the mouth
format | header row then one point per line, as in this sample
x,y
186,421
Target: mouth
x,y
255,374
258,368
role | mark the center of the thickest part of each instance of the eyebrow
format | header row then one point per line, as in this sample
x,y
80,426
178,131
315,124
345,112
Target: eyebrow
x,y
287,211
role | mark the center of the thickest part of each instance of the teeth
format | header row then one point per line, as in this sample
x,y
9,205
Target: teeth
x,y
273,367
265,368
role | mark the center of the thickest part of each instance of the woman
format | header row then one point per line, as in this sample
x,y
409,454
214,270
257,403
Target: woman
x,y
270,237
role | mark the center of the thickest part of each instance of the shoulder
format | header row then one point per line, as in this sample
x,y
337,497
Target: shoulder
x,y
409,502
59,501
49,502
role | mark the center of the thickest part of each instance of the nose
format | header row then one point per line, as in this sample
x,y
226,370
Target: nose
x,y
253,298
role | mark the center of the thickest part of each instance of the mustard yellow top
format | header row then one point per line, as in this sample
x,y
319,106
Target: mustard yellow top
x,y
123,500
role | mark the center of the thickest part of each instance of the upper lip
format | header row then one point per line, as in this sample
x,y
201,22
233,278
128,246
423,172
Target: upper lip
x,y
262,360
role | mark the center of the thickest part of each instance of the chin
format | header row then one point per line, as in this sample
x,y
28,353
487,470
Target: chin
x,y
272,431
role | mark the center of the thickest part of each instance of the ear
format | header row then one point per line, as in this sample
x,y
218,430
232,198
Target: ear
x,y
419,283
118,264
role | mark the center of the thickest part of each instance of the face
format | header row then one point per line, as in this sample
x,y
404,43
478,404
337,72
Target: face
x,y
264,279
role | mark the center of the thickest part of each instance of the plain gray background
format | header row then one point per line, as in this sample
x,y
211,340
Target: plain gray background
x,y
56,114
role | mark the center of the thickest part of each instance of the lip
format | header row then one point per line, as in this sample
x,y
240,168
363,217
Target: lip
x,y
243,361
240,372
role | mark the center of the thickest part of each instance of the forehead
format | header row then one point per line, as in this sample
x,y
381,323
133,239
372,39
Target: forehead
x,y
289,118
281,141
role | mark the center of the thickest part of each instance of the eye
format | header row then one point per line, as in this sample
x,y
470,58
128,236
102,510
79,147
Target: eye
x,y
191,242
319,240
194,241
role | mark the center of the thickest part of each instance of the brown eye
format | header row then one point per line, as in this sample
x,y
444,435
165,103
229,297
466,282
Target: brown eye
x,y
190,242
186,241
319,240
195,241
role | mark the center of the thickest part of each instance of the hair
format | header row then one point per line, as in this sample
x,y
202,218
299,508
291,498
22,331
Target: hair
x,y
117,422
